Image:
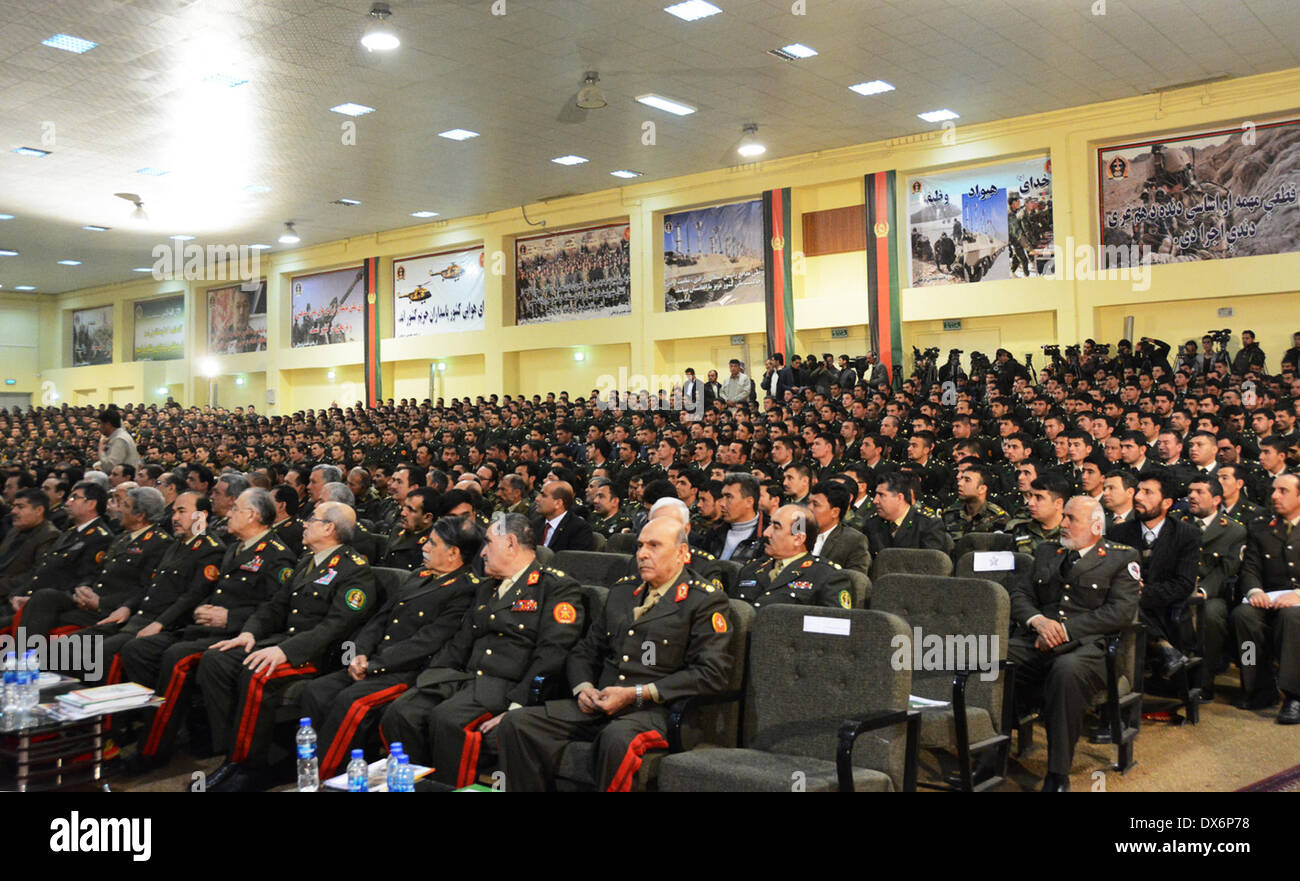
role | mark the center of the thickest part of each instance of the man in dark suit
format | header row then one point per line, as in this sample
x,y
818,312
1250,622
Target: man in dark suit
x,y
836,542
897,523
1169,551
712,390
1080,588
25,544
1222,544
556,526
1267,624
692,393
848,377
879,375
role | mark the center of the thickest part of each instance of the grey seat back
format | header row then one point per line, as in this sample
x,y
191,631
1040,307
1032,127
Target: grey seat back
x,y
597,541
966,569
861,589
915,561
730,571
983,541
971,617
804,682
545,556
720,724
593,567
389,582
621,543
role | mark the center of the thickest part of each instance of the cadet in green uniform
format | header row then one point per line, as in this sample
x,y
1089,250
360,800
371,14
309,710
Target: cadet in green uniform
x,y
973,512
1046,503
296,634
620,688
412,626
607,499
520,627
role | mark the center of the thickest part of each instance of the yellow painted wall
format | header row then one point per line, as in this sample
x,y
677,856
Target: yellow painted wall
x,y
829,291
1273,317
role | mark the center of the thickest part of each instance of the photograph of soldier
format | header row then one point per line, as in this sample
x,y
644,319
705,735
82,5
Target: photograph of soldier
x,y
328,307
237,319
92,336
581,273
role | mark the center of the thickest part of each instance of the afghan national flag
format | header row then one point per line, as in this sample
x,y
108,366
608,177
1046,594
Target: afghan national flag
x,y
374,379
778,290
885,322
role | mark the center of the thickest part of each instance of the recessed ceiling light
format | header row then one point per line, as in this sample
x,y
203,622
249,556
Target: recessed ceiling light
x,y
659,102
69,262
875,87
260,247
182,238
937,115
348,202
424,213
93,228
69,43
569,160
24,287
7,252
626,173
352,109
143,269
799,50
458,134
6,217
151,171
31,151
224,79
692,10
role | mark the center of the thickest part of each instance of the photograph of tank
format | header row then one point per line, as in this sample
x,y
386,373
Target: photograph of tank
x,y
714,256
971,225
1204,196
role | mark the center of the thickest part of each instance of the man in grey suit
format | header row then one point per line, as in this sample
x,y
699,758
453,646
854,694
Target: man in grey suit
x,y
879,375
828,500
116,447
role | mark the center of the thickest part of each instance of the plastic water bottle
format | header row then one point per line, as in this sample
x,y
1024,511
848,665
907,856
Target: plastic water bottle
x,y
308,764
358,772
404,776
11,696
28,670
394,750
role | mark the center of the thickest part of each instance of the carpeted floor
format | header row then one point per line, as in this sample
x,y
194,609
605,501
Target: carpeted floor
x,y
1229,749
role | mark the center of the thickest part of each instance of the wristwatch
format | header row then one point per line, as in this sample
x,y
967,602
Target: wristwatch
x,y
640,698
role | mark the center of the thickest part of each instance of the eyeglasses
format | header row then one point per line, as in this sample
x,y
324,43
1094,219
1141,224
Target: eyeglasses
x,y
313,520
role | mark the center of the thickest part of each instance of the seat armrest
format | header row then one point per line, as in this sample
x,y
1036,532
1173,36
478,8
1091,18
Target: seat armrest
x,y
852,729
678,709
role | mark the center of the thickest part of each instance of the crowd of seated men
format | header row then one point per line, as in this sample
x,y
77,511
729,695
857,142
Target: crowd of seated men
x,y
236,557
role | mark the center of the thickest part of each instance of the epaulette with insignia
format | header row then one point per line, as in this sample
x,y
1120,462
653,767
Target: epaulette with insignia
x,y
473,579
703,585
275,543
705,554
358,559
631,579
555,572
833,563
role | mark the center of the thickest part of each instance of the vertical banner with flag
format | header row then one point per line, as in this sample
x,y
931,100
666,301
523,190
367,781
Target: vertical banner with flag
x,y
374,377
885,322
778,292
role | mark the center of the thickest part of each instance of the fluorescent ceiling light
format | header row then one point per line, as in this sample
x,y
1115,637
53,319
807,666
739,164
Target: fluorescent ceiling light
x,y
24,287
151,171
569,160
875,87
352,109
692,10
69,43
424,213
143,269
799,50
659,102
6,217
260,247
31,151
7,252
182,238
348,201
257,188
458,134
93,228
69,262
224,79
626,173
937,115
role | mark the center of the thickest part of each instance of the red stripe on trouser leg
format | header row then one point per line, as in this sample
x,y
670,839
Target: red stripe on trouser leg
x,y
469,751
253,705
626,773
114,674
356,712
175,682
65,629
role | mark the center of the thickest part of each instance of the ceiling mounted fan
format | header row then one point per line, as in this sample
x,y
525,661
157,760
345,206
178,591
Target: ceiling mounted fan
x,y
138,201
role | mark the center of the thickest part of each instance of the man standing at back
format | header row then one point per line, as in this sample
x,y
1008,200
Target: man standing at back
x,y
116,446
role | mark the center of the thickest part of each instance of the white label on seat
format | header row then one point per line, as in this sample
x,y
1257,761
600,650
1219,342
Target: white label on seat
x,y
994,561
822,624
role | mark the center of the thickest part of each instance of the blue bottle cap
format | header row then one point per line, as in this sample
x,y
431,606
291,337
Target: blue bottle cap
x,y
403,759
304,722
357,754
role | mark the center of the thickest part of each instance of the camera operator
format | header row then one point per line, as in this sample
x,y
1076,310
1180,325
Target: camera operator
x,y
1006,368
1208,357
952,370
1250,357
1153,353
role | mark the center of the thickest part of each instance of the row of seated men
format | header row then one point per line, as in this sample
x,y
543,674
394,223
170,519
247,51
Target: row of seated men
x,y
244,616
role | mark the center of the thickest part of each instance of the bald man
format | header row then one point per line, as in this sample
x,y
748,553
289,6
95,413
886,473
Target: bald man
x,y
621,688
296,634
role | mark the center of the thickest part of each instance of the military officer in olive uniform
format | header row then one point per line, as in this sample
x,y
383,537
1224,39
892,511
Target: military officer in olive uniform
x,y
1079,589
296,634
189,568
607,501
519,628
898,523
406,545
621,688
75,556
129,563
1272,626
392,647
253,567
1223,544
788,573
1046,504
